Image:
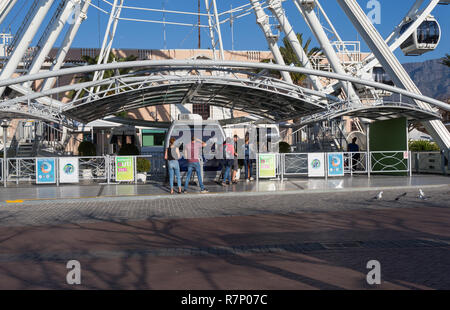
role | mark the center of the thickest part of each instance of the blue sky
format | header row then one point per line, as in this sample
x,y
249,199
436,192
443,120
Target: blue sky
x,y
247,35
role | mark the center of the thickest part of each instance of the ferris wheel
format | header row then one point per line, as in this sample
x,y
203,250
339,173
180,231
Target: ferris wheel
x,y
418,32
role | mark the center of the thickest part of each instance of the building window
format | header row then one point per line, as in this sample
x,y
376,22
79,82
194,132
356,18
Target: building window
x,y
153,137
201,109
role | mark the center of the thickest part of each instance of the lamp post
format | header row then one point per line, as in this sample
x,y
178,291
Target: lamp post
x,y
5,125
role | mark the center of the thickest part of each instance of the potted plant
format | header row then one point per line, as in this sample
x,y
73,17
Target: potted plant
x,y
142,167
284,147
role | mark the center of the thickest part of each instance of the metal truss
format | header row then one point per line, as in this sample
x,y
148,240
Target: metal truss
x,y
129,91
167,74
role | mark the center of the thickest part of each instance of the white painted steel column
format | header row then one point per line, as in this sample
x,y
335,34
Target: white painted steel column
x,y
5,8
392,66
307,10
108,38
263,21
11,66
276,8
67,43
52,36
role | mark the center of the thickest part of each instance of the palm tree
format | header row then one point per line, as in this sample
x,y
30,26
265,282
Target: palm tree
x,y
446,60
289,56
89,76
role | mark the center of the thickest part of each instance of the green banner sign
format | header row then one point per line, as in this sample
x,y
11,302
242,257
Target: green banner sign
x,y
267,165
125,169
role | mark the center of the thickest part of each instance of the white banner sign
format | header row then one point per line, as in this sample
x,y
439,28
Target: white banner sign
x,y
69,170
316,164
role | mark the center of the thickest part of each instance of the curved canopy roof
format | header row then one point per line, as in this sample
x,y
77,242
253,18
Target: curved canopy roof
x,y
273,103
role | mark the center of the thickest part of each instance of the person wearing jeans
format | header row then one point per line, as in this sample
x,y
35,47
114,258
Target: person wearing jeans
x,y
228,154
172,155
192,154
247,161
198,170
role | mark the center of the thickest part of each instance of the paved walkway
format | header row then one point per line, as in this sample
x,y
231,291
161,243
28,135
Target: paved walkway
x,y
315,241
62,193
266,235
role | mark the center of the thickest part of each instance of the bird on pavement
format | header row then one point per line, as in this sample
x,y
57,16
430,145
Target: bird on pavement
x,y
379,196
422,195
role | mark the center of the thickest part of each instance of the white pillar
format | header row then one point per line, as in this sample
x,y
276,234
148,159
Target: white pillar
x,y
67,43
50,38
263,21
11,66
276,7
392,65
5,8
307,10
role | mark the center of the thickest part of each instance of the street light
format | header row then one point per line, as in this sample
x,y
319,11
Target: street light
x,y
5,124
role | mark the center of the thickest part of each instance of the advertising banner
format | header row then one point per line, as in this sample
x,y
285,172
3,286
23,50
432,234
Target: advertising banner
x,y
267,164
335,164
69,170
45,171
125,169
316,165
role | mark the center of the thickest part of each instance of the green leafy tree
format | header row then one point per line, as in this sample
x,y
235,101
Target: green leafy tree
x,y
142,165
423,146
289,57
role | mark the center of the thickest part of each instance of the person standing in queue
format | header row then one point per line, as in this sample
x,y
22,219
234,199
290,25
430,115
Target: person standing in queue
x,y
172,156
354,149
235,159
247,160
192,154
228,157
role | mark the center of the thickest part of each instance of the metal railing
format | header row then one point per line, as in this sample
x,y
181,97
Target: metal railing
x,y
389,162
90,169
295,163
93,168
103,168
430,162
356,162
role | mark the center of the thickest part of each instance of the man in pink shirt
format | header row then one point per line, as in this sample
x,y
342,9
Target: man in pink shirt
x,y
192,154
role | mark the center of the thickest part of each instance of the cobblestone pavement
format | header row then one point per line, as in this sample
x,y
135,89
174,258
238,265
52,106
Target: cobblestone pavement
x,y
263,241
50,212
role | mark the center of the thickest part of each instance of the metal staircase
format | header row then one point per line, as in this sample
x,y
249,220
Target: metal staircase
x,y
326,136
36,138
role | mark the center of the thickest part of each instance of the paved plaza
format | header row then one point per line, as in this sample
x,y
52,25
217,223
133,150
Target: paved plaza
x,y
296,234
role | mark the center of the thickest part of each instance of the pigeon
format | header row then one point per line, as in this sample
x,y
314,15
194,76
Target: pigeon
x,y
422,195
379,196
400,196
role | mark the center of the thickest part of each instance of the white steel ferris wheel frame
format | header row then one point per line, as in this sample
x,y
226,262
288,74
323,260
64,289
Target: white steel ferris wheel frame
x,y
382,49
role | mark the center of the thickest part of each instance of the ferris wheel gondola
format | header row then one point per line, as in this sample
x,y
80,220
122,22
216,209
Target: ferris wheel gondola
x,y
424,39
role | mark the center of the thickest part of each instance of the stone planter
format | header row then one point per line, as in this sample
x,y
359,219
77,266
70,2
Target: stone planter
x,y
141,177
